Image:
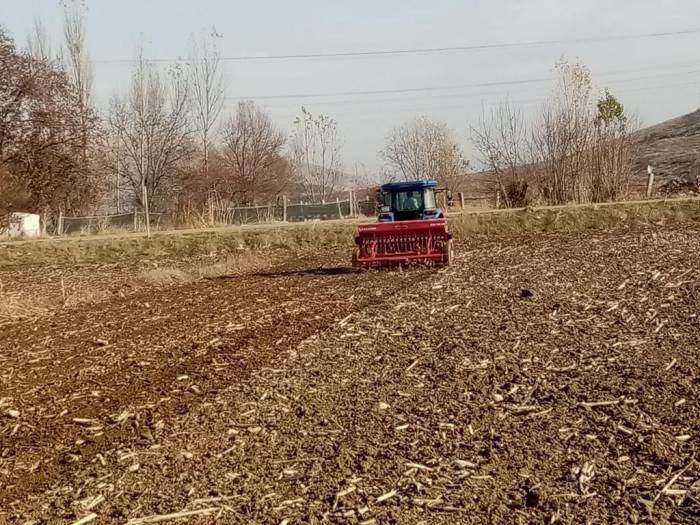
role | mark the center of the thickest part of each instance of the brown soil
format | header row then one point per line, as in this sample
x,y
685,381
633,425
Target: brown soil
x,y
540,379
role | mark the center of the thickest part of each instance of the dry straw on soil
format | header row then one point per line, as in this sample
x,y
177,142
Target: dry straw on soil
x,y
540,378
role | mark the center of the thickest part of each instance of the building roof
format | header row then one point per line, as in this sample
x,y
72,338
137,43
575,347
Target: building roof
x,y
17,215
410,185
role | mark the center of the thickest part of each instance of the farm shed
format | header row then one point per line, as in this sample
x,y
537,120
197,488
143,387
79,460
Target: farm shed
x,y
23,225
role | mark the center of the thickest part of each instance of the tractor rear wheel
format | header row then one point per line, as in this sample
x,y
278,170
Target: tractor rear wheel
x,y
448,253
355,257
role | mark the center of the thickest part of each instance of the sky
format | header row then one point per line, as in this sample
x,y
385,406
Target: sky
x,y
656,78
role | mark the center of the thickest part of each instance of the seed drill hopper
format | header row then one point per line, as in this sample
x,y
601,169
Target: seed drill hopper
x,y
410,228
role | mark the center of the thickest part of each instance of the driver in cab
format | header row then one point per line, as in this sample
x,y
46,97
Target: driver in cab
x,y
411,203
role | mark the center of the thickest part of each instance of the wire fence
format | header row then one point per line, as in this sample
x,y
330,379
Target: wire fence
x,y
95,224
285,212
280,211
134,221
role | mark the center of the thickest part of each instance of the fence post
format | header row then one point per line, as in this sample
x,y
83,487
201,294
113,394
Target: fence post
x,y
650,182
59,227
284,208
352,203
461,199
340,212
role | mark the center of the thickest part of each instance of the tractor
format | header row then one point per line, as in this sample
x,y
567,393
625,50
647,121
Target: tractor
x,y
410,229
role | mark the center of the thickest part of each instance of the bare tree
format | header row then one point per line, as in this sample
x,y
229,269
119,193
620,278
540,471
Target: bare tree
x,y
207,90
562,137
252,150
152,129
502,140
79,68
578,150
362,178
39,43
77,59
424,149
316,150
582,149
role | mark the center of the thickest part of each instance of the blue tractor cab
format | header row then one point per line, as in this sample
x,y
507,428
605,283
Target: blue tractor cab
x,y
409,201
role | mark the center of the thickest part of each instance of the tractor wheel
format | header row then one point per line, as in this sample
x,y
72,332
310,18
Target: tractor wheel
x,y
448,253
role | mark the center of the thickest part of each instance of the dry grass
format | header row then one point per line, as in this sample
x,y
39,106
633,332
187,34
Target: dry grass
x,y
163,276
184,245
17,307
243,243
578,219
23,305
237,264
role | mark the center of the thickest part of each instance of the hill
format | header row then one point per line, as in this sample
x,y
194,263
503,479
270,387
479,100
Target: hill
x,y
672,148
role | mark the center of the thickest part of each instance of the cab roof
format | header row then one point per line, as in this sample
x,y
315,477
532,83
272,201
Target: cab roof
x,y
410,185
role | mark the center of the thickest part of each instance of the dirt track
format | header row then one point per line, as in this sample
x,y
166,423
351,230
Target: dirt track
x,y
542,379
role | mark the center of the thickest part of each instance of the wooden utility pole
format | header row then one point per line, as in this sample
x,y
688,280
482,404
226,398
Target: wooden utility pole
x,y
284,208
461,199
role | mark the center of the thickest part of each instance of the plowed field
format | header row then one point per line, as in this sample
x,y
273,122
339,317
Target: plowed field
x,y
540,379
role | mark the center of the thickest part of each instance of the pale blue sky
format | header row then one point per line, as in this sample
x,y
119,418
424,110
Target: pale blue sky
x,y
656,78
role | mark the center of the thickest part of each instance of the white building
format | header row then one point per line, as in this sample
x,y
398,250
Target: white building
x,y
23,225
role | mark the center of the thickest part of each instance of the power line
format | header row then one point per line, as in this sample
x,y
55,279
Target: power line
x,y
434,88
427,107
674,67
431,50
395,91
429,97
